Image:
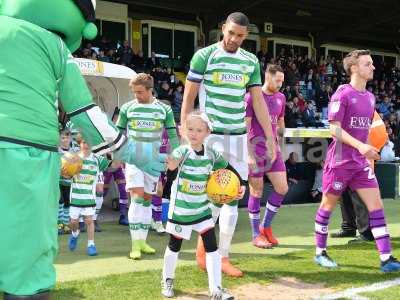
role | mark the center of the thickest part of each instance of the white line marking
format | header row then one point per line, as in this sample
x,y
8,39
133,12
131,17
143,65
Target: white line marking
x,y
352,292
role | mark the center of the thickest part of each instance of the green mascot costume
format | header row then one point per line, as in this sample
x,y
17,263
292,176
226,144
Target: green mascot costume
x,y
36,73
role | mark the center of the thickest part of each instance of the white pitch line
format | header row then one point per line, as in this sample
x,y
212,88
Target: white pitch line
x,y
352,292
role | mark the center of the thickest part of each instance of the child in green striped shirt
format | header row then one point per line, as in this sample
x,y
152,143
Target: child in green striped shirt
x,y
83,195
189,206
65,186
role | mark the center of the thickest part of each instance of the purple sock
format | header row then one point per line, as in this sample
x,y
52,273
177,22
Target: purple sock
x,y
122,192
123,199
272,207
156,205
321,228
382,238
107,180
253,207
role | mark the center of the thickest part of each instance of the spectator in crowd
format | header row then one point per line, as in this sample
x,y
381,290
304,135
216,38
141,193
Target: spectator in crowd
x,y
112,56
177,97
300,103
125,54
172,80
105,44
385,107
102,56
322,99
393,124
291,115
94,55
288,93
292,169
139,62
153,61
308,115
316,190
165,93
311,83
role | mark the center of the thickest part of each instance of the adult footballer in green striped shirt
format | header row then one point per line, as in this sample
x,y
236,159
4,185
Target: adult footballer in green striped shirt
x,y
220,74
144,118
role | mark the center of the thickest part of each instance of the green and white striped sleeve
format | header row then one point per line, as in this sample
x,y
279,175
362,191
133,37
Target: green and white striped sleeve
x,y
198,66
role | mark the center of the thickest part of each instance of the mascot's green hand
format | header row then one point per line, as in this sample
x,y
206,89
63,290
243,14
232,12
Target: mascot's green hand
x,y
145,156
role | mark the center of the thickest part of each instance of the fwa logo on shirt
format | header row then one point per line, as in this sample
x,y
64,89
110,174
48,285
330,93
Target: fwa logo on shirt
x,y
274,119
360,122
239,80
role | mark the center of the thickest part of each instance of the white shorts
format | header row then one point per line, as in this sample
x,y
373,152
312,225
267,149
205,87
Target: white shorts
x,y
185,231
234,150
137,178
75,212
100,178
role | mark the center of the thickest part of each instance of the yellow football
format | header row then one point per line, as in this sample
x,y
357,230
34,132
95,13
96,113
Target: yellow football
x,y
223,186
71,164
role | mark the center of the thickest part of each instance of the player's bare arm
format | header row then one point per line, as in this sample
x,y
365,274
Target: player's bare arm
x,y
262,114
250,149
281,130
189,95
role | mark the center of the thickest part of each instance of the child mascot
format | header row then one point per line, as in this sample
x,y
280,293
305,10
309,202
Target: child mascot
x,y
36,73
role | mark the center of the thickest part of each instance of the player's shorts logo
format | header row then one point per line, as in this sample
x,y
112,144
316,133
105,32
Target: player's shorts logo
x,y
338,186
178,228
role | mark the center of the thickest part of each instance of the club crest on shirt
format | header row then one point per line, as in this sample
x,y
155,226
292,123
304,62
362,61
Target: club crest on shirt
x,y
244,68
338,186
354,100
279,101
334,106
372,101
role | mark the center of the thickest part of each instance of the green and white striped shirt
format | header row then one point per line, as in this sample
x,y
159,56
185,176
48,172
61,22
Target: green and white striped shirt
x,y
145,121
189,203
224,77
83,187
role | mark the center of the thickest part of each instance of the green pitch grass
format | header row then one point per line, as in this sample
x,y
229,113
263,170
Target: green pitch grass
x,y
111,275
390,293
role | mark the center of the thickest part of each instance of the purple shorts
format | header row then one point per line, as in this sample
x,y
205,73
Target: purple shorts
x,y
264,165
335,181
118,174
